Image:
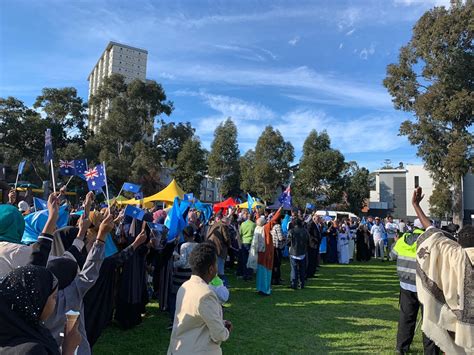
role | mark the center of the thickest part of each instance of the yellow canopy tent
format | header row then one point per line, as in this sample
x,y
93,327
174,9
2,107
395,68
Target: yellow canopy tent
x,y
255,204
133,201
167,194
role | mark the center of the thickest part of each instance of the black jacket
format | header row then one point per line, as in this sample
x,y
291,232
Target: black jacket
x,y
298,240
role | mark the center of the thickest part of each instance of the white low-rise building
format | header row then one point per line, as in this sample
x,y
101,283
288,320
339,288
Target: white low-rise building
x,y
394,190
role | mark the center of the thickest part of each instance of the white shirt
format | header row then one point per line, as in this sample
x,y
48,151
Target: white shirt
x,y
377,231
391,229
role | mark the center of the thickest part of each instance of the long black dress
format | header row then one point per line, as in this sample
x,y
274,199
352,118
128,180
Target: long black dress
x,y
132,295
331,255
362,245
99,302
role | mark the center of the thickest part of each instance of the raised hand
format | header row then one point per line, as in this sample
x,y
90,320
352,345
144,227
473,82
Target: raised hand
x,y
12,197
106,226
53,213
417,196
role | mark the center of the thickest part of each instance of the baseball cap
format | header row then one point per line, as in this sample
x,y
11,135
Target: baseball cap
x,y
23,206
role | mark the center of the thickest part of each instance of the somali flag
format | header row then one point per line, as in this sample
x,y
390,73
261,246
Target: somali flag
x,y
249,202
175,221
128,186
40,204
35,222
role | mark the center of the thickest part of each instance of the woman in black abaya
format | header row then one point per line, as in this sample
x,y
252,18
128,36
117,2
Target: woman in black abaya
x,y
27,298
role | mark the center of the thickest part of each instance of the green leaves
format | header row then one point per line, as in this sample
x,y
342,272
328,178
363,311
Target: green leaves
x,y
433,80
319,178
223,159
273,156
191,166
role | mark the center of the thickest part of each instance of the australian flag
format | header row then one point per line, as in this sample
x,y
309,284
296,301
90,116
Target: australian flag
x,y
48,146
66,167
80,165
95,177
285,197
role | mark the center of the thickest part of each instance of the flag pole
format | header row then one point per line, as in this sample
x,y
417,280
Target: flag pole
x,y
17,175
106,186
52,176
67,183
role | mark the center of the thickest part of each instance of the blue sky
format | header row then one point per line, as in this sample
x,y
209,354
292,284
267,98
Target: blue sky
x,y
296,65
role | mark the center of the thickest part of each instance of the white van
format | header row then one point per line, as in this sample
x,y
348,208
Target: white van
x,y
337,215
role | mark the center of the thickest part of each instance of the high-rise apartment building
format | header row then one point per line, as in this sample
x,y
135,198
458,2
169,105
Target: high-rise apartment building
x,y
117,58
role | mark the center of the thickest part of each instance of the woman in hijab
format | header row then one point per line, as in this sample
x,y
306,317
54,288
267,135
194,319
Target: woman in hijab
x,y
13,254
27,299
73,286
132,294
362,243
265,259
331,234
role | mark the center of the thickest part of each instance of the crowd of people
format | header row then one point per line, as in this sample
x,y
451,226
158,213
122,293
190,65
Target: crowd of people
x,y
68,269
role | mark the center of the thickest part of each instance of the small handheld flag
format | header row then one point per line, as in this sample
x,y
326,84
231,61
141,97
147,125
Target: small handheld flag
x,y
80,165
285,197
134,212
309,206
249,202
66,167
189,197
139,196
128,186
21,166
95,177
40,204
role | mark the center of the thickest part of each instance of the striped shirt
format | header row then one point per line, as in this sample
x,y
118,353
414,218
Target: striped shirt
x,y
278,238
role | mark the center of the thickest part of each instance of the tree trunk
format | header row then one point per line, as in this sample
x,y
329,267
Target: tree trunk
x,y
458,208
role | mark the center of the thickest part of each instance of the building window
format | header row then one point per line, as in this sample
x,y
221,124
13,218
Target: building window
x,y
417,181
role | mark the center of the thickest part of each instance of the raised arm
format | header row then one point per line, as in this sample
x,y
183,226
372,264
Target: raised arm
x,y
415,200
42,248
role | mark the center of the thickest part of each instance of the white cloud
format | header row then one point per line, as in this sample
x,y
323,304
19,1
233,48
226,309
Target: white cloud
x,y
257,54
367,52
341,45
294,41
351,136
354,135
445,3
349,17
232,107
322,86
350,32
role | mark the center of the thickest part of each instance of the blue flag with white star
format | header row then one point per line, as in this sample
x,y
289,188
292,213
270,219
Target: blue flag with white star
x,y
40,204
95,177
134,212
128,186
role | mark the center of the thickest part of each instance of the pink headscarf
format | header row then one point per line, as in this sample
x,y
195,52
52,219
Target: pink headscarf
x,y
158,214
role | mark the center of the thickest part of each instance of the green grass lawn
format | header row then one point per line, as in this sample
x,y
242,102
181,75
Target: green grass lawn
x,y
347,309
